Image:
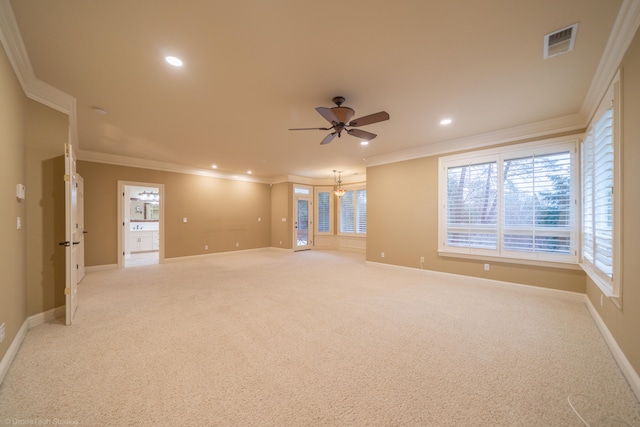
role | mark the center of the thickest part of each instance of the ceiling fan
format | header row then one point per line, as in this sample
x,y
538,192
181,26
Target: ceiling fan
x,y
339,118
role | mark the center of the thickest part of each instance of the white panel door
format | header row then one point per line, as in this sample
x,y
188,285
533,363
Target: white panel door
x,y
71,234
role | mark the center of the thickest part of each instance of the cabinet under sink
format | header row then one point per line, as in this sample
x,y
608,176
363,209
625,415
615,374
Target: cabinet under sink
x,y
144,240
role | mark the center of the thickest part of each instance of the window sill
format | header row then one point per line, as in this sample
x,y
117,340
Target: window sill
x,y
605,286
562,265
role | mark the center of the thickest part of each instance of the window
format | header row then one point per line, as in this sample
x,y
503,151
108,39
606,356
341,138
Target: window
x,y
353,212
600,197
323,213
515,202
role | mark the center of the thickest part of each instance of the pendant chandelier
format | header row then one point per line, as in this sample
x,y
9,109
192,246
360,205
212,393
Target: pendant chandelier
x,y
338,190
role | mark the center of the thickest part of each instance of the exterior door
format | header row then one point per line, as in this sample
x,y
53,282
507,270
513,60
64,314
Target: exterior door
x,y
303,224
71,234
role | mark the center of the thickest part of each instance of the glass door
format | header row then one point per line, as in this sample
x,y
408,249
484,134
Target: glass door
x,y
303,224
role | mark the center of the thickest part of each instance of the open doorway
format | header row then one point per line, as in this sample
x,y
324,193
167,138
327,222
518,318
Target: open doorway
x,y
141,220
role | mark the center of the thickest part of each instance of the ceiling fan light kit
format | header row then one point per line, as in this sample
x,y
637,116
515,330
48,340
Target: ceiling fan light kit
x,y
340,119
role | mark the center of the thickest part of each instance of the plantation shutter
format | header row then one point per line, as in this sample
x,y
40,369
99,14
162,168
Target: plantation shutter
x,y
599,145
471,206
347,212
361,211
324,212
537,204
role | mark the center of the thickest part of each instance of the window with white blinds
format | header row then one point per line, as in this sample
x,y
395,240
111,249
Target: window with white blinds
x,y
353,212
323,214
513,202
601,197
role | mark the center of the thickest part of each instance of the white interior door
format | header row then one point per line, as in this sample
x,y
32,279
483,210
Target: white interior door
x,y
303,223
71,234
80,231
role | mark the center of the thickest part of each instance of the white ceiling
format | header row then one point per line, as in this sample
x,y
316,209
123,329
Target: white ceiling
x,y
254,68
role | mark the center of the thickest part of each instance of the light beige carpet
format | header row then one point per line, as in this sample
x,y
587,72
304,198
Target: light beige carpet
x,y
272,338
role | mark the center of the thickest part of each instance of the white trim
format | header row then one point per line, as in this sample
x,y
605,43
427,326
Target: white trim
x,y
97,268
8,357
620,38
46,316
471,280
217,254
17,53
29,323
573,123
623,363
523,261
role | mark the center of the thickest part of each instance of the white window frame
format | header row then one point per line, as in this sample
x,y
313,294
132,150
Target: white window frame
x,y
499,155
317,192
355,233
611,287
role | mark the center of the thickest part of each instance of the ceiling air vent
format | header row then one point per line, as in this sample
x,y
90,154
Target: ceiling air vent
x,y
560,41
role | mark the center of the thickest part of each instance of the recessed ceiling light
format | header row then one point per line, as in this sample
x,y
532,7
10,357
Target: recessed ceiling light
x,y
249,172
445,122
214,166
176,62
364,142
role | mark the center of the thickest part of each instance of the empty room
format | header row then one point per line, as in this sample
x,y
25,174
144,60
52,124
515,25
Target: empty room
x,y
340,213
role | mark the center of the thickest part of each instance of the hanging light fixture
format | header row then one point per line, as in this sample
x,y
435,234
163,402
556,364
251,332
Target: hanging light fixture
x,y
338,190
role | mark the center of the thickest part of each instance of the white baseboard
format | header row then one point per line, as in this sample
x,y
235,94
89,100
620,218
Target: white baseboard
x,y
215,254
627,370
95,268
575,296
30,322
47,316
13,349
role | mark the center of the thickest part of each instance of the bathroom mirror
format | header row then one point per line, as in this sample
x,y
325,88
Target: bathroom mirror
x,y
144,211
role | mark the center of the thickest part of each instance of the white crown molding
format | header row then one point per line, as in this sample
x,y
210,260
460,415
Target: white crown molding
x,y
572,123
113,159
17,53
622,33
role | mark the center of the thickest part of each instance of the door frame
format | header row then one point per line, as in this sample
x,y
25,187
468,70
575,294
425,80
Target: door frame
x,y
121,222
303,192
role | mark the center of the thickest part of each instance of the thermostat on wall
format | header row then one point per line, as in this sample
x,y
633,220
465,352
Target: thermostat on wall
x,y
20,191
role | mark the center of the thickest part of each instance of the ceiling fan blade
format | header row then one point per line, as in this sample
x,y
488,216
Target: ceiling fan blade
x,y
310,128
362,134
327,114
371,118
327,139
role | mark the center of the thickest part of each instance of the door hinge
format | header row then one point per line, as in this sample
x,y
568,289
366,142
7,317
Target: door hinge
x,y
67,291
66,177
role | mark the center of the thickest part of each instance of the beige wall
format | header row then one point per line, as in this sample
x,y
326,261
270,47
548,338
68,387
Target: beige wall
x,y
625,324
13,258
281,207
47,132
402,222
219,212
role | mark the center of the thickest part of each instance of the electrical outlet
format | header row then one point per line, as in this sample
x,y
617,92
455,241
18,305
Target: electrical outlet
x,y
2,332
421,259
237,244
487,267
206,247
381,254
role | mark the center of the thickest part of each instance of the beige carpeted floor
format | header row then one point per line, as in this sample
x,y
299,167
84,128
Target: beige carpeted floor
x,y
273,338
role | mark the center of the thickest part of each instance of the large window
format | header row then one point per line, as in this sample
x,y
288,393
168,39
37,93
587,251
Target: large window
x,y
601,197
515,202
353,212
324,211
